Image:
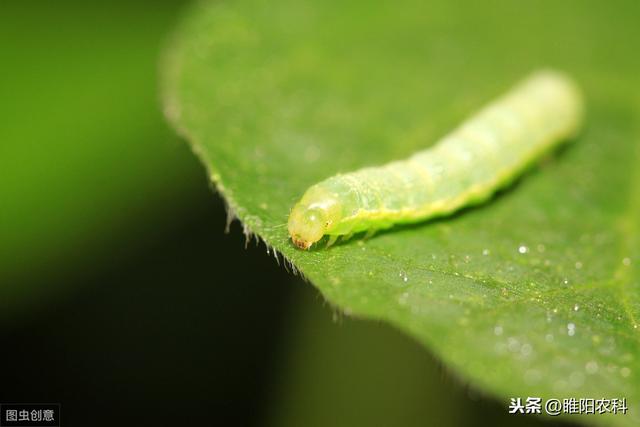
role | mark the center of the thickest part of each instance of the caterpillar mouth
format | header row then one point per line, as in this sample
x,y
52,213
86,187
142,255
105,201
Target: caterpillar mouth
x,y
301,243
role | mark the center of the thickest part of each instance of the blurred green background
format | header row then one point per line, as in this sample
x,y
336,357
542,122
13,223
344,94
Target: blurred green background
x,y
120,295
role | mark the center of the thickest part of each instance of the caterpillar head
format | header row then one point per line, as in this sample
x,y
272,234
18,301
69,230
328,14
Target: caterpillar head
x,y
312,217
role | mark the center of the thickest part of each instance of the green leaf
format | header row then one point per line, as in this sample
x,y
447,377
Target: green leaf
x,y
532,294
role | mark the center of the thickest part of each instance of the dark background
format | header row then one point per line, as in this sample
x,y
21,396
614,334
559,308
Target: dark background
x,y
120,295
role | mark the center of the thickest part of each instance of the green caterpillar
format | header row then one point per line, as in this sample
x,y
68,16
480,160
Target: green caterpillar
x,y
465,167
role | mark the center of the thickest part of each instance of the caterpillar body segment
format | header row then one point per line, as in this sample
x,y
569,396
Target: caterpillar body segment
x,y
465,167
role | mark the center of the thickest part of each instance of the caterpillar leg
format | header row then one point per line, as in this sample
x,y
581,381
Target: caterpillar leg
x,y
370,233
332,239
